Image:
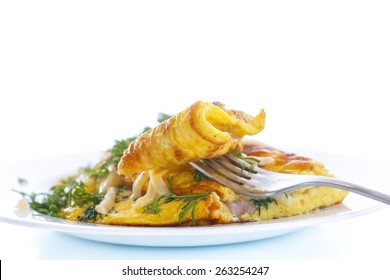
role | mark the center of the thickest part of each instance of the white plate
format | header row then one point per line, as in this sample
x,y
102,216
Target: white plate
x,y
43,174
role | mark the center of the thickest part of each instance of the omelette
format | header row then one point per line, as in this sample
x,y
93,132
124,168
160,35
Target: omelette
x,y
147,180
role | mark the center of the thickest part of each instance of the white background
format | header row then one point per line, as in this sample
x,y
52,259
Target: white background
x,y
75,75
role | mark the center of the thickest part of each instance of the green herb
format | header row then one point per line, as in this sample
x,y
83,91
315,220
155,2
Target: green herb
x,y
251,160
61,196
73,193
22,181
240,155
98,171
189,203
117,150
237,154
252,163
90,214
113,156
263,203
78,196
170,183
163,117
199,176
46,204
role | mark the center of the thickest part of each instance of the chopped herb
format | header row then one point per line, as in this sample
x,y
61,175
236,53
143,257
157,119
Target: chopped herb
x,y
163,117
263,203
240,155
251,160
78,196
237,154
189,203
22,181
170,182
90,214
199,176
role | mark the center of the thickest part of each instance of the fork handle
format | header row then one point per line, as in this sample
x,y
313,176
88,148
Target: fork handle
x,y
339,184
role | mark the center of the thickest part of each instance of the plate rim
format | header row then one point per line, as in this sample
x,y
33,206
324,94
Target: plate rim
x,y
62,225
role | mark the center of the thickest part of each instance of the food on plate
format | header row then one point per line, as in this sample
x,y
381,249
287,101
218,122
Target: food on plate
x,y
203,130
147,180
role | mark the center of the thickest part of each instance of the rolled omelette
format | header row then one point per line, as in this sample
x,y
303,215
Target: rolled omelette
x,y
203,130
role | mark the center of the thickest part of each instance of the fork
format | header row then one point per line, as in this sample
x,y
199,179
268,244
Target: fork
x,y
250,180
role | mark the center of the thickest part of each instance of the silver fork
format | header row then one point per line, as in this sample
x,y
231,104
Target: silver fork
x,y
249,179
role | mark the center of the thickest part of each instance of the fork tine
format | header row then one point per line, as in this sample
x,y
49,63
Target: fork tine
x,y
227,173
251,168
216,175
267,183
225,163
236,187
239,162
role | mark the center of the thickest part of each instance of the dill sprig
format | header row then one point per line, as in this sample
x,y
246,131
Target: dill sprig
x,y
117,150
237,154
72,193
113,155
112,158
263,203
199,176
61,196
170,182
251,160
189,203
97,172
78,196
